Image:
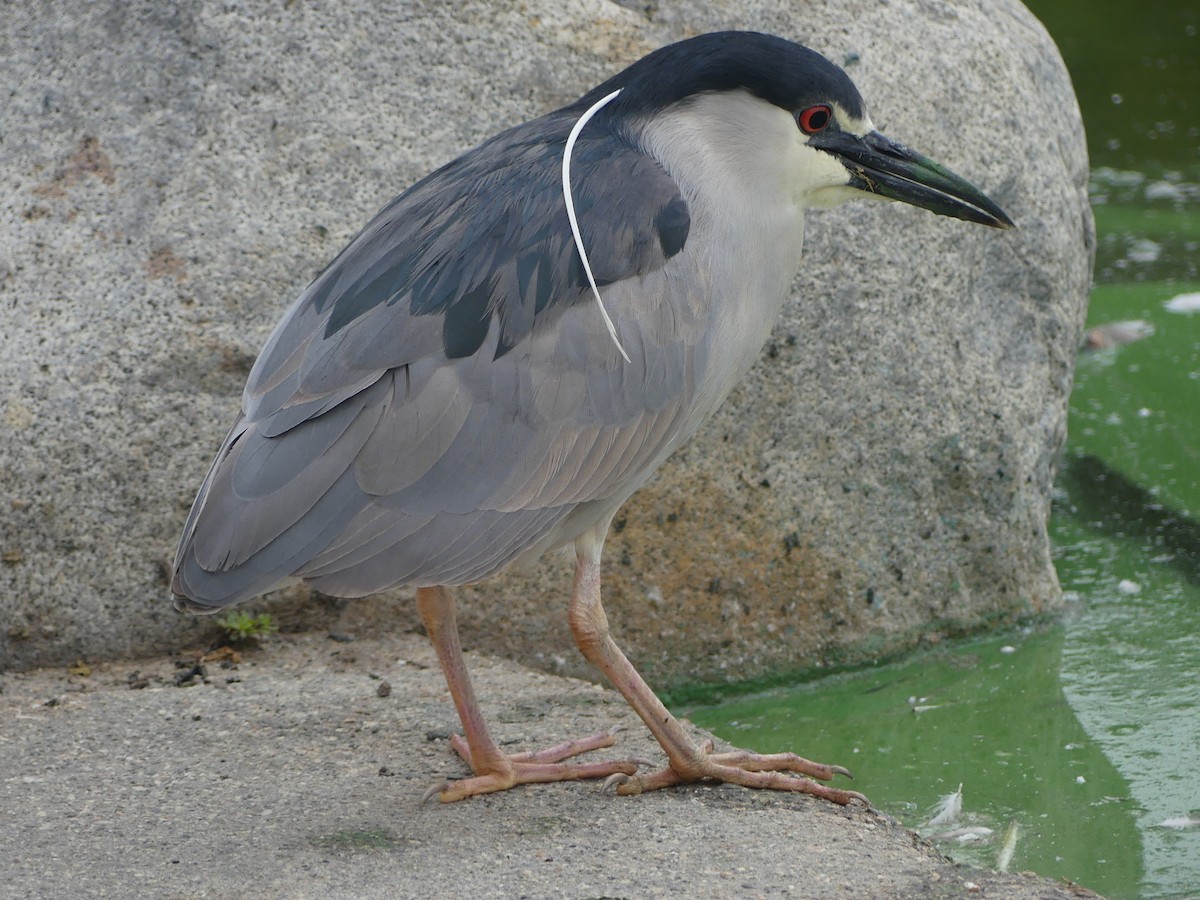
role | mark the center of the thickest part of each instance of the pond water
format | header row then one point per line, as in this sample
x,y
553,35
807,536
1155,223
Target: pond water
x,y
1077,746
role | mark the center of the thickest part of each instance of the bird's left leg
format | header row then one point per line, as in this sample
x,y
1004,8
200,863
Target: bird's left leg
x,y
495,770
687,761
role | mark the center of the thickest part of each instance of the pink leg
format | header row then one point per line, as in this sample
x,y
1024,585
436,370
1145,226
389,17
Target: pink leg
x,y
687,762
494,770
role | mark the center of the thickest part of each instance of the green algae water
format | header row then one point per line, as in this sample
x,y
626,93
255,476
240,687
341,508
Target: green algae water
x,y
1078,746
990,716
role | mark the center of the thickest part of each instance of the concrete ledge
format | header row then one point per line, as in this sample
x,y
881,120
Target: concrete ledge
x,y
289,775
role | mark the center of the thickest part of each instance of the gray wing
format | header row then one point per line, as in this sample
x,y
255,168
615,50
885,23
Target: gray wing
x,y
444,394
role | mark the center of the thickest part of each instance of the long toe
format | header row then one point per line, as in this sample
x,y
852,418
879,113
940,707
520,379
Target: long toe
x,y
779,762
501,772
557,753
530,773
774,771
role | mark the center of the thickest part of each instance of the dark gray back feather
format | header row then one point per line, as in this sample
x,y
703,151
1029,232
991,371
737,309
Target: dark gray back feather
x,y
485,236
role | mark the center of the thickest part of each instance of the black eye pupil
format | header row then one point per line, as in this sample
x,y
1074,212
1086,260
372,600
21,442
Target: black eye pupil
x,y
814,118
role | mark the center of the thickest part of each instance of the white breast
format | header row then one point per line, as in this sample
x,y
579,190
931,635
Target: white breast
x,y
741,165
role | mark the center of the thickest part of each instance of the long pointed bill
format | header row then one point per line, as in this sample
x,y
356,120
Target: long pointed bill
x,y
879,165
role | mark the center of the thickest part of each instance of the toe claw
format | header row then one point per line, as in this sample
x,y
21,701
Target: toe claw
x,y
615,781
432,792
841,770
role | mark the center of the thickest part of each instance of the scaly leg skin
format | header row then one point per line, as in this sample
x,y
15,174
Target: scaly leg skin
x,y
687,761
494,770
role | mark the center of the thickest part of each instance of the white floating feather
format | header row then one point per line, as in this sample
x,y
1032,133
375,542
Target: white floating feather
x,y
1183,303
1009,847
964,835
566,180
1188,821
947,809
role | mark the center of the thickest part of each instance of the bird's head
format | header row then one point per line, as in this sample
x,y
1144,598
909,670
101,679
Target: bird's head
x,y
785,109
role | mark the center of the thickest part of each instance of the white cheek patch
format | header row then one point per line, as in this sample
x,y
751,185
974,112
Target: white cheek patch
x,y
822,178
852,124
816,171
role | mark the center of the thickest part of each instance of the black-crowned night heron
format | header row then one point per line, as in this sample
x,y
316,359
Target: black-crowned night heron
x,y
514,344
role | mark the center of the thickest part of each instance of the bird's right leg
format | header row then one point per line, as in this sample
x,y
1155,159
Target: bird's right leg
x,y
495,770
688,762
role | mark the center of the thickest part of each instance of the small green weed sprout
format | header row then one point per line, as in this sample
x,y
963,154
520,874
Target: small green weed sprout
x,y
240,626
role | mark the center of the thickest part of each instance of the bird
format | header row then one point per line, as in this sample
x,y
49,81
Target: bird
x,y
513,345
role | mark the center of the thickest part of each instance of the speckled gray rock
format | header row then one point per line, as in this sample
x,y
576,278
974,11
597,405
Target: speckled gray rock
x,y
173,174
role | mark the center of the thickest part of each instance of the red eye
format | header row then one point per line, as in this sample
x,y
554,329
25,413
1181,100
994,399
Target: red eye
x,y
814,119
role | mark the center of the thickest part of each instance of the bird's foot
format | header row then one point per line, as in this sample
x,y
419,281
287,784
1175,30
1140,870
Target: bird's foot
x,y
770,771
499,772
